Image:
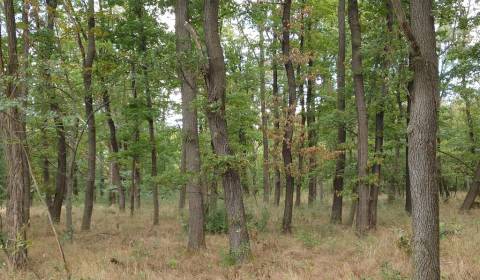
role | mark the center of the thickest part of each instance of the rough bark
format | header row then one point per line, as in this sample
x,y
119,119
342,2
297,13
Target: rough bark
x,y
13,136
216,87
288,134
362,145
90,117
191,148
337,204
422,137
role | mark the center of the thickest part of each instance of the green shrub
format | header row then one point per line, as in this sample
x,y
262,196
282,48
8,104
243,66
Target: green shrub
x,y
216,221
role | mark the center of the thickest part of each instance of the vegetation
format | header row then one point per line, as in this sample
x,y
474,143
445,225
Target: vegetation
x,y
139,136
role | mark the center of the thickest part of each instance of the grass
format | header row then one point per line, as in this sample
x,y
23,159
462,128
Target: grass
x,y
124,247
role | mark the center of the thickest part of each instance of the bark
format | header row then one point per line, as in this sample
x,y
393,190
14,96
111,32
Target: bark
x,y
422,136
26,75
13,136
312,135
362,146
276,112
216,87
191,147
288,134
301,96
263,109
337,204
116,179
90,117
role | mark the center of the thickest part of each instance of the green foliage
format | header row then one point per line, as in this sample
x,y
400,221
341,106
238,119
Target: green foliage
x,y
309,239
390,273
216,221
404,242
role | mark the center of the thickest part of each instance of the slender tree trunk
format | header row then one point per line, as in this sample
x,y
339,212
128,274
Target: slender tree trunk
x,y
312,134
379,125
288,136
276,112
116,179
26,76
362,148
337,204
90,117
301,96
13,136
216,87
266,161
191,147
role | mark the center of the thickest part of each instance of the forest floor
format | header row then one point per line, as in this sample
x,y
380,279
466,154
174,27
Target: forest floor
x,y
124,247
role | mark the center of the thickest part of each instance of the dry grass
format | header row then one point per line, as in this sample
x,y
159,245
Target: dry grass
x,y
122,247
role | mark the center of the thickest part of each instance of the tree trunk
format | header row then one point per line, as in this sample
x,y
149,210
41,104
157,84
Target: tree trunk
x,y
362,148
301,96
337,204
474,189
312,135
13,135
25,86
288,135
266,161
422,137
216,87
276,112
191,148
379,124
90,117
116,179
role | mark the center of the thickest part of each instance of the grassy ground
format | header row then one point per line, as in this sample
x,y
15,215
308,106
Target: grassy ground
x,y
124,247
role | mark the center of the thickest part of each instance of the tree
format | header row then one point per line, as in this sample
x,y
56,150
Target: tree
x,y
337,204
288,134
422,137
362,216
88,56
190,142
216,88
13,136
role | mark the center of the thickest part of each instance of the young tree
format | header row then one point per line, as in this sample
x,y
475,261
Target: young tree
x,y
88,56
216,87
337,204
362,216
292,101
191,148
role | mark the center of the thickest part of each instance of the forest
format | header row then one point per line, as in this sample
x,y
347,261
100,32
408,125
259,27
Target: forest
x,y
240,139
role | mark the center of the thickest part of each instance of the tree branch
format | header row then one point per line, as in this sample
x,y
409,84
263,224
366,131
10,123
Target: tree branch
x,y
406,28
